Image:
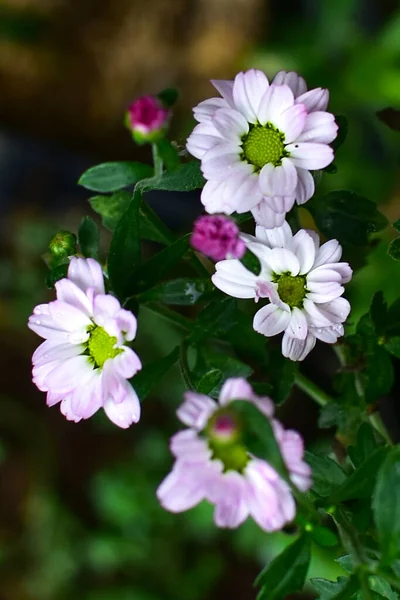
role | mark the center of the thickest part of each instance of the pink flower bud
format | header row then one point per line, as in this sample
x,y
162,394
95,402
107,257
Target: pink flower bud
x,y
147,118
217,237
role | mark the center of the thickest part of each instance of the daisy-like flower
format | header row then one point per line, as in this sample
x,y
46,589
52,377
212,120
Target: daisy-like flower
x,y
213,464
217,236
258,143
303,282
84,362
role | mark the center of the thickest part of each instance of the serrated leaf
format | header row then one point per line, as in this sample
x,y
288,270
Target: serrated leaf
x,y
365,445
186,178
394,249
343,588
154,270
381,587
346,216
152,373
326,474
125,250
88,238
182,292
378,313
287,572
386,506
346,562
59,272
111,208
113,176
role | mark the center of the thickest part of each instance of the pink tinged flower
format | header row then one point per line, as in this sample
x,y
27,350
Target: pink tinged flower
x,y
302,282
147,118
84,363
211,463
217,237
258,143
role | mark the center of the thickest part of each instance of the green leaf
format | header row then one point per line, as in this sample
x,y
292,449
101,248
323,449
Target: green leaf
x,y
393,346
394,249
283,373
111,208
346,562
381,587
188,177
378,374
396,225
378,313
59,272
152,373
125,251
393,319
168,153
251,262
209,382
342,122
113,176
168,96
215,319
386,506
365,445
153,270
258,435
151,226
361,482
287,572
343,588
89,238
183,291
326,474
391,117
346,216
324,536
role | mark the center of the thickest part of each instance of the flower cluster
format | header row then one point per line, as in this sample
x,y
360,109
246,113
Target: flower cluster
x,y
213,464
303,282
258,143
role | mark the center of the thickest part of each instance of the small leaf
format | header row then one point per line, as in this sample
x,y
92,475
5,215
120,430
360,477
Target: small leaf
x,y
365,445
89,238
378,313
111,208
342,122
125,250
393,346
346,562
394,249
154,269
113,176
188,177
287,572
360,483
152,373
183,291
209,382
326,474
168,96
386,506
56,274
251,262
346,216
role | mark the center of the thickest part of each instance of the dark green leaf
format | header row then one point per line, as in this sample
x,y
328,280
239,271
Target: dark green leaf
x,y
346,562
151,226
168,96
125,251
381,587
360,483
188,177
56,274
258,435
209,382
111,208
323,536
113,176
326,474
342,122
229,366
168,153
151,374
89,238
287,572
394,249
393,346
378,313
251,262
342,589
183,291
365,445
216,318
378,374
154,269
346,216
331,169
242,218
393,319
396,225
391,117
386,506
283,373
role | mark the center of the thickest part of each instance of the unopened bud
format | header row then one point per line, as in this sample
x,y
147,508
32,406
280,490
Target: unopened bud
x,y
63,244
147,119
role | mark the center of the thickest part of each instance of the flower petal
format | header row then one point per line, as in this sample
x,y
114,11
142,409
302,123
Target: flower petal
x,y
248,90
265,216
314,100
305,186
297,327
271,320
302,245
275,101
86,273
234,279
293,80
309,155
222,160
230,124
122,405
205,110
278,181
127,363
324,292
291,122
196,410
282,260
318,127
230,499
190,448
69,374
337,310
280,204
277,237
225,88
182,489
297,349
70,293
330,252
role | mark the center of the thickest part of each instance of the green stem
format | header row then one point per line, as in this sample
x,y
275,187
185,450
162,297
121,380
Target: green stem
x,y
376,421
310,388
364,584
158,161
184,367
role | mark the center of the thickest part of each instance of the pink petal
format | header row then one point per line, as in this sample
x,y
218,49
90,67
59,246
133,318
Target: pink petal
x,y
205,110
275,101
235,388
309,155
337,310
196,410
50,351
225,88
69,374
248,90
127,363
330,252
127,323
86,400
230,499
315,316
318,127
230,124
314,100
182,489
67,317
190,448
70,293
271,320
86,273
122,411
293,80
305,186
222,161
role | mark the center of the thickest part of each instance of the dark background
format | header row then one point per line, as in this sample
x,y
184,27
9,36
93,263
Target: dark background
x,y
78,513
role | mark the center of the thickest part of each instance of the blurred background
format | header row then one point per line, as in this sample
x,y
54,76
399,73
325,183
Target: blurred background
x,y
78,513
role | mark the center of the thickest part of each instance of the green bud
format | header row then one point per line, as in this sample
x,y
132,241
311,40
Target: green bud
x,y
63,244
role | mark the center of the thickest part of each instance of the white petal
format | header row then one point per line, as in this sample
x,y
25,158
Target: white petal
x,y
278,181
196,410
278,237
70,293
212,198
265,216
242,192
305,186
50,351
69,374
298,324
86,273
230,124
123,412
293,80
67,317
248,90
234,279
315,316
221,160
323,274
318,127
330,252
86,400
126,323
280,204
302,245
309,155
271,320
336,311
329,335
203,137
235,388
225,88
204,111
275,101
324,292
296,349
127,363
315,100
282,260
291,122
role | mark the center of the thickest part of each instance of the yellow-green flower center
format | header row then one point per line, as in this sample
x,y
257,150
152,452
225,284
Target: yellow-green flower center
x,y
264,144
101,346
292,290
224,440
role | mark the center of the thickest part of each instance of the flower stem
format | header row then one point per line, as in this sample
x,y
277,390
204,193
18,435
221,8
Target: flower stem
x,y
158,161
310,388
184,367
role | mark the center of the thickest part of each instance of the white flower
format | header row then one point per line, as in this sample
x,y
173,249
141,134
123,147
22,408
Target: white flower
x,y
303,282
258,143
84,362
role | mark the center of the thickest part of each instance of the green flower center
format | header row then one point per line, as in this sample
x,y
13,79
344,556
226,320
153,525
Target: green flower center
x,y
292,289
263,145
224,440
101,346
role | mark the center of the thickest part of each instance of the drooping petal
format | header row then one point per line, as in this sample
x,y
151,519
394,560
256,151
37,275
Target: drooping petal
x,y
315,316
271,320
86,400
314,100
297,326
302,245
127,363
196,410
318,127
278,181
275,101
297,349
291,122
266,217
329,335
305,186
310,155
248,90
230,124
127,323
122,411
293,80
86,273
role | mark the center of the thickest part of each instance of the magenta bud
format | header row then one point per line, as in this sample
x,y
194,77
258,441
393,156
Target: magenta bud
x,y
147,119
217,237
